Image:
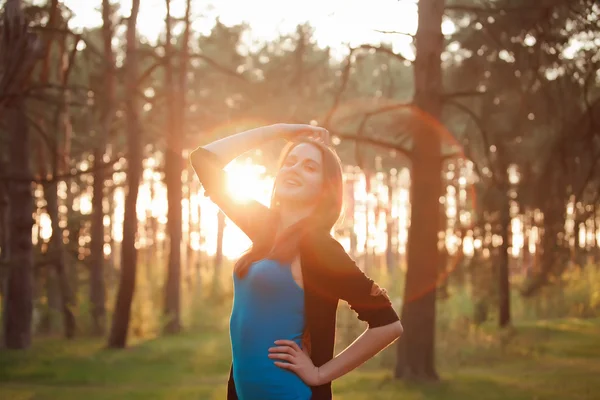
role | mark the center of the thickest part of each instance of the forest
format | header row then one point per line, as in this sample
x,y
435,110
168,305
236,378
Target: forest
x,y
471,177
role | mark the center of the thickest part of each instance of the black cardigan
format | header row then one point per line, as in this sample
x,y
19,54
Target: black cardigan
x,y
329,274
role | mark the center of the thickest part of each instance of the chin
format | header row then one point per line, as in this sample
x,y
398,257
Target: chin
x,y
293,198
289,194
289,197
294,195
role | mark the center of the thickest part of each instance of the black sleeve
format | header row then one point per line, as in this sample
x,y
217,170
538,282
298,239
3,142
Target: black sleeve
x,y
350,284
250,216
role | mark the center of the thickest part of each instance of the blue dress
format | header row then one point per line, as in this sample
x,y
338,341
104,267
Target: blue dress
x,y
268,305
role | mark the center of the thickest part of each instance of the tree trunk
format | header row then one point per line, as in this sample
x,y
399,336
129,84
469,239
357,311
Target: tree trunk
x,y
97,284
366,255
52,310
595,248
59,163
122,313
76,227
199,258
503,261
416,346
478,284
555,251
189,251
580,248
444,256
442,290
173,284
18,300
459,264
97,279
4,218
57,259
218,254
4,226
351,218
173,172
391,228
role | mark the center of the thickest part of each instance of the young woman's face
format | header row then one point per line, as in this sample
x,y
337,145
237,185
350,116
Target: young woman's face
x,y
300,179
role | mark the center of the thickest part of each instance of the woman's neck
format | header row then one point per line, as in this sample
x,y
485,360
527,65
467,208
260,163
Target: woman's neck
x,y
288,216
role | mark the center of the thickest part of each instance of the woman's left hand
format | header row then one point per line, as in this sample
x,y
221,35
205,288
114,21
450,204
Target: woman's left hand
x,y
297,361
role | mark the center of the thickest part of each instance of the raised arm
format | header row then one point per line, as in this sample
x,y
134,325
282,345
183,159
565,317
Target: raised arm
x,y
231,147
208,162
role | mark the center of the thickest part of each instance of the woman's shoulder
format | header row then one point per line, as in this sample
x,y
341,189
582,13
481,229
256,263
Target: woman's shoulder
x,y
322,248
316,239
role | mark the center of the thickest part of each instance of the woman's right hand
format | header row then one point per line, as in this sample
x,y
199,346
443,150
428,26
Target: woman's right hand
x,y
294,131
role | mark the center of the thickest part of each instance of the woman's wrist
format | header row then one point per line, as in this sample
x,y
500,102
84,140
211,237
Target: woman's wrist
x,y
278,131
321,376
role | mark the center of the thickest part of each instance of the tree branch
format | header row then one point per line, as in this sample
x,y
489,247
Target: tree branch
x,y
410,35
381,110
217,66
372,141
482,130
342,89
50,141
346,75
162,60
42,87
385,50
68,32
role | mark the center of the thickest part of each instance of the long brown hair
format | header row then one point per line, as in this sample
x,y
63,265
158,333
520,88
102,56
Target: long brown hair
x,y
324,217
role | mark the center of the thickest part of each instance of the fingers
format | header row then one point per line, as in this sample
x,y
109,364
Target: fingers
x,y
282,356
326,137
291,367
289,343
321,134
281,349
376,291
385,294
314,132
287,352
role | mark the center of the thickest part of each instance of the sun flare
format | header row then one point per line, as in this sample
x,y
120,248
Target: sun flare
x,y
246,181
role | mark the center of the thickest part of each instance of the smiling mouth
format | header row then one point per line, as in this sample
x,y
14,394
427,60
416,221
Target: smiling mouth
x,y
292,182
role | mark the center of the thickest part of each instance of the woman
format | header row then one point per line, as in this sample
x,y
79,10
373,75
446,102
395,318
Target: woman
x,y
287,286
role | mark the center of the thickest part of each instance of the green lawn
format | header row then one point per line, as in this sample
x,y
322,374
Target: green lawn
x,y
542,361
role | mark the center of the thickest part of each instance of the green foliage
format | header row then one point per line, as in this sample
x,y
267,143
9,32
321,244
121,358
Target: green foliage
x,y
518,61
576,295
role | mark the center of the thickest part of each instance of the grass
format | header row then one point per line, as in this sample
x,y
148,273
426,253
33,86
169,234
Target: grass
x,y
544,360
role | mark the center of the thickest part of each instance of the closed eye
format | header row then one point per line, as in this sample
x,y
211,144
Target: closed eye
x,y
311,166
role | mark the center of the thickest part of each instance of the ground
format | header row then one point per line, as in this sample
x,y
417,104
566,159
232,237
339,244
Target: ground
x,y
543,361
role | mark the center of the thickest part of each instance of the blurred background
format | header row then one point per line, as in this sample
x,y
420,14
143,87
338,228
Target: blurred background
x,y
469,131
